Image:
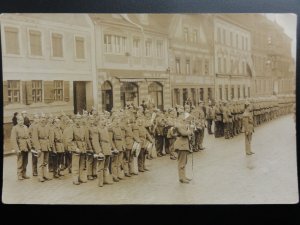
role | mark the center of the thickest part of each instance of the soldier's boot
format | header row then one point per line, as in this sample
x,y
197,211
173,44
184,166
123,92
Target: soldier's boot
x,y
45,173
107,177
75,180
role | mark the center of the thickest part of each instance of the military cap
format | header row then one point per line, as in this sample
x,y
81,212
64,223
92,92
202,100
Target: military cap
x,y
78,116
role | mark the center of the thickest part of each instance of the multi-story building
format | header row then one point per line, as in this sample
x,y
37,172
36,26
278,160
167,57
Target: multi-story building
x,y
131,60
47,64
232,58
191,58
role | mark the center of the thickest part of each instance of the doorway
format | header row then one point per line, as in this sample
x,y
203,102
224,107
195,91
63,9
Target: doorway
x,y
155,91
107,96
79,93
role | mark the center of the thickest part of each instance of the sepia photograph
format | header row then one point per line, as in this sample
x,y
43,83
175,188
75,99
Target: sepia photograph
x,y
149,108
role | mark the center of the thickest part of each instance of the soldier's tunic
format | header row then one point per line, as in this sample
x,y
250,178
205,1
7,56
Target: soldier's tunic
x,y
248,129
182,148
218,121
20,141
118,143
106,148
159,135
58,148
41,141
143,136
171,136
78,158
199,129
52,155
32,129
227,120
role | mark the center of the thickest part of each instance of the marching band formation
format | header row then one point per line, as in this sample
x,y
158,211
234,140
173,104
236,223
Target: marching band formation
x,y
113,145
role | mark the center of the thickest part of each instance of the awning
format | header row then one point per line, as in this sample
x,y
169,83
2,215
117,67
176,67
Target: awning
x,y
131,80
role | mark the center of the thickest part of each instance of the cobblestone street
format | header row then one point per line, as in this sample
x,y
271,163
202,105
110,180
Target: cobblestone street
x,y
222,174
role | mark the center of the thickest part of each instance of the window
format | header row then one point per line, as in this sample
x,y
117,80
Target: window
x,y
178,70
206,67
237,41
57,45
186,34
220,93
239,92
224,36
148,44
12,40
226,93
209,93
231,65
79,46
198,66
219,35
188,67
108,43
246,47
58,90
244,67
136,47
13,87
177,96
35,39
219,65
195,36
159,49
231,38
114,44
37,91
244,91
225,66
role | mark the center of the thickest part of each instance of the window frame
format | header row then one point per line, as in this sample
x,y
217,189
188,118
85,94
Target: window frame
x,y
162,49
42,91
148,40
54,90
14,89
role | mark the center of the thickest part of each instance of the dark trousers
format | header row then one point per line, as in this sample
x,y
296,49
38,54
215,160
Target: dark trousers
x,y
171,146
22,161
68,160
199,136
227,130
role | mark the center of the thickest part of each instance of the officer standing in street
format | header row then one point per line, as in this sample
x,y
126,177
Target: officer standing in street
x,y
182,145
93,148
171,134
248,128
69,145
21,144
218,119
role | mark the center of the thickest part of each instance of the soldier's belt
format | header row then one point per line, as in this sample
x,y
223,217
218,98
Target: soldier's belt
x,y
45,138
22,138
104,141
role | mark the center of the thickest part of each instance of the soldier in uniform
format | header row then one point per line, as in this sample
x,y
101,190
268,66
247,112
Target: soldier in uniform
x,y
218,119
106,147
159,133
78,155
209,117
58,149
171,134
199,121
118,144
182,145
143,136
93,148
42,143
130,137
21,144
26,119
32,129
52,154
68,143
248,128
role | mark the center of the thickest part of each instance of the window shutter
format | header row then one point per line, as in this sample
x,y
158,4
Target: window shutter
x,y
24,92
67,91
48,91
5,93
29,92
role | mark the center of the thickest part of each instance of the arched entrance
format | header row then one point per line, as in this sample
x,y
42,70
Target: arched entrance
x,y
129,93
155,91
107,96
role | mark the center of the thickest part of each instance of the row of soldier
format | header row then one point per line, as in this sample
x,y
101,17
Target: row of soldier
x,y
104,143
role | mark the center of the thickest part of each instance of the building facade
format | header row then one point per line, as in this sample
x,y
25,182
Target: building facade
x,y
131,60
47,64
232,59
191,58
